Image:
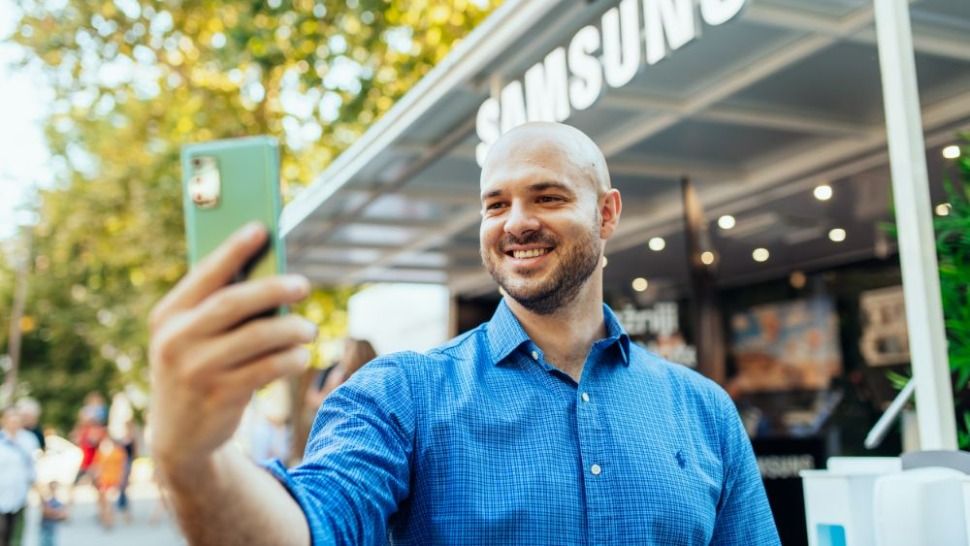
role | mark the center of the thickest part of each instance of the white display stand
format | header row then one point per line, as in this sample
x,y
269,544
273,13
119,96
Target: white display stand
x,y
919,499
839,500
966,502
920,507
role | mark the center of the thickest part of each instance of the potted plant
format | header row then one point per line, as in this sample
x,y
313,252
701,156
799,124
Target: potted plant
x,y
953,253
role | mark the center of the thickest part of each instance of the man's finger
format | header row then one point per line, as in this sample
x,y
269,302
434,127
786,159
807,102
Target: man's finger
x,y
267,368
252,340
233,304
213,272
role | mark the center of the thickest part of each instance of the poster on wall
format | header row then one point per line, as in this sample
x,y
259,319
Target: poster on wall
x,y
786,346
885,337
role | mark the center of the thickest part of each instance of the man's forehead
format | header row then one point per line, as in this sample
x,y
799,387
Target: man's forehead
x,y
553,151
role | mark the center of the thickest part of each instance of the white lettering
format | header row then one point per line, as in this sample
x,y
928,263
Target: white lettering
x,y
513,106
587,84
487,127
668,22
573,79
621,43
547,88
661,320
718,12
774,467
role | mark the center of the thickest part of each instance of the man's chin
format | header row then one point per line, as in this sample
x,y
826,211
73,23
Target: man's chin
x,y
528,291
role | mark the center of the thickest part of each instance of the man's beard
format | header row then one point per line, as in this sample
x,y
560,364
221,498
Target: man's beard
x,y
576,264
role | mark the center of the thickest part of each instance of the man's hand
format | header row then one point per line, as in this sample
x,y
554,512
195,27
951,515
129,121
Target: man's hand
x,y
207,358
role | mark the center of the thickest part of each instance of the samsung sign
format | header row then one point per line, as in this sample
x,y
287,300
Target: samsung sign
x,y
571,78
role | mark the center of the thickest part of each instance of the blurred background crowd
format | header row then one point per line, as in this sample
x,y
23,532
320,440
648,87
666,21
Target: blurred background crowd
x,y
105,458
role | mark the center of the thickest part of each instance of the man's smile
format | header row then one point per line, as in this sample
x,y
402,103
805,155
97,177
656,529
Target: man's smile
x,y
524,253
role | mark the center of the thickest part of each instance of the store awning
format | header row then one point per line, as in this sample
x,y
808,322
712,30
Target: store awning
x,y
756,111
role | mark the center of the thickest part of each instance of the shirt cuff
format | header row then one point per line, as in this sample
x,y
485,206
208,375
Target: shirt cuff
x,y
317,523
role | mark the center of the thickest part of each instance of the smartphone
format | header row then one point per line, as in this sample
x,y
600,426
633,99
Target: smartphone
x,y
229,183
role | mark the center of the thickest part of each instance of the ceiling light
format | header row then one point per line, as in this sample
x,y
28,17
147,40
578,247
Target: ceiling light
x,y
657,244
943,209
707,257
837,235
640,284
605,261
726,221
951,152
760,254
797,279
822,192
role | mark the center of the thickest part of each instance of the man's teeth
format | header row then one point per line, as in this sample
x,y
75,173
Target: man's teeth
x,y
519,254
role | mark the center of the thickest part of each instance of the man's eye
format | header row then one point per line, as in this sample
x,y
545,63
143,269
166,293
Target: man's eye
x,y
494,206
549,199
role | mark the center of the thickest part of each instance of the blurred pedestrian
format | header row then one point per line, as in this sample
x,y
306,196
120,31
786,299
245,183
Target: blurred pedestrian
x,y
121,428
269,427
318,384
127,443
94,403
87,435
107,470
53,512
17,472
30,416
357,352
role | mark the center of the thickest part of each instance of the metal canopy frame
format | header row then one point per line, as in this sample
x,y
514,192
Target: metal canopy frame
x,y
386,161
402,203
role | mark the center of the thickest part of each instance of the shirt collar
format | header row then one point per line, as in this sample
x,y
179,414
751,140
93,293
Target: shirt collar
x,y
505,334
615,334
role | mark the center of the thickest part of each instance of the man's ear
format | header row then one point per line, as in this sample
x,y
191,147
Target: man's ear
x,y
610,206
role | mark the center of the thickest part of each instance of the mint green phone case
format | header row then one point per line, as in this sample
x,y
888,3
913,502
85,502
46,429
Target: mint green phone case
x,y
226,184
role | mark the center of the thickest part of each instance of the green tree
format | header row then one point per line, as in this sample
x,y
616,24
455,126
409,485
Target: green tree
x,y
133,80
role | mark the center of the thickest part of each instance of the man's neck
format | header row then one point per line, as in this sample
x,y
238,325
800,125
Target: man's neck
x,y
566,335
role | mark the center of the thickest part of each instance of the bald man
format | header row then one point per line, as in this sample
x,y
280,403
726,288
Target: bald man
x,y
544,425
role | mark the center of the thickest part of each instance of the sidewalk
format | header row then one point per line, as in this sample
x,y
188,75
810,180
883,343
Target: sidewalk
x,y
83,529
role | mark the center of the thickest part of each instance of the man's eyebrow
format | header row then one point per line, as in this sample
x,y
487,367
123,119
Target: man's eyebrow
x,y
549,185
493,193
538,187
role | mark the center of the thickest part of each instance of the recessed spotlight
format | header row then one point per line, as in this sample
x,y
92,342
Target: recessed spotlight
x,y
707,257
760,254
951,152
726,221
797,279
943,209
837,235
822,192
640,284
657,244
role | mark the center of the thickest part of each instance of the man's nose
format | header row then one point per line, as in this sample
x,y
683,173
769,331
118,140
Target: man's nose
x,y
521,220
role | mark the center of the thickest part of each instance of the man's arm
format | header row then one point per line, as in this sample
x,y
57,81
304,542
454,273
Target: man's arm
x,y
743,514
207,357
228,499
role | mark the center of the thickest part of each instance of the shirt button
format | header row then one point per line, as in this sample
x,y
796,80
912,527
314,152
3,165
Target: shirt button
x,y
585,397
535,355
595,469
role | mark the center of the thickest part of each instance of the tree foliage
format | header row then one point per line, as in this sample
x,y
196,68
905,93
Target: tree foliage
x,y
133,80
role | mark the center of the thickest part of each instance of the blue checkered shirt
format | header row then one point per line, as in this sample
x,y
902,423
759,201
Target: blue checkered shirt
x,y
482,441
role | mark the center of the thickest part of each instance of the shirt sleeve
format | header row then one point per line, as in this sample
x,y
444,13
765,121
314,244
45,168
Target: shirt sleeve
x,y
743,514
356,470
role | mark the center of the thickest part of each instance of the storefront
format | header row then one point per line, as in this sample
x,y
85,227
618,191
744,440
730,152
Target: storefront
x,y
772,111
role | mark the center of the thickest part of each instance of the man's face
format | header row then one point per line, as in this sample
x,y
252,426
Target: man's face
x,y
540,233
11,421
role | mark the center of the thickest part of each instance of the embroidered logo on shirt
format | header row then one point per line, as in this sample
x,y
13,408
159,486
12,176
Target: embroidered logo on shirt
x,y
681,458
